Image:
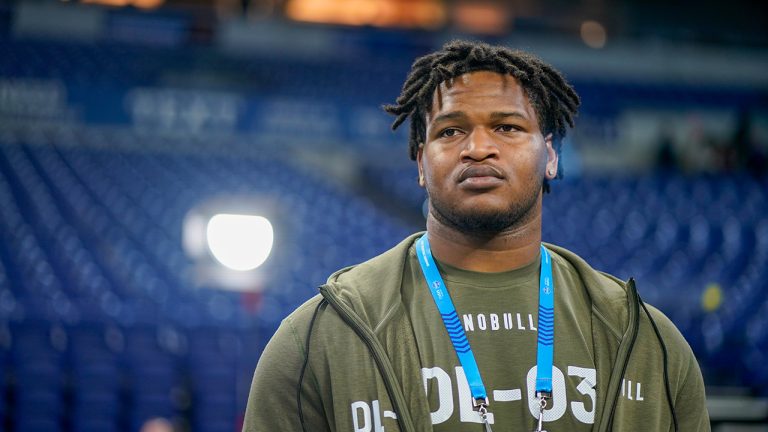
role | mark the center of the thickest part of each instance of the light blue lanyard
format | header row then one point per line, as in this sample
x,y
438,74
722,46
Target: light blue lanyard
x,y
546,330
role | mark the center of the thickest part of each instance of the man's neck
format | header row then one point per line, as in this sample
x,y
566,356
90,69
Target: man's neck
x,y
507,250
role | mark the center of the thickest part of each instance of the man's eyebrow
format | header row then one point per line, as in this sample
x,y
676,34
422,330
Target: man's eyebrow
x,y
498,115
452,115
495,116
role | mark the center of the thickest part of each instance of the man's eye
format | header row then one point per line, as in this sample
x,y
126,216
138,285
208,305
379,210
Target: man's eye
x,y
450,132
507,128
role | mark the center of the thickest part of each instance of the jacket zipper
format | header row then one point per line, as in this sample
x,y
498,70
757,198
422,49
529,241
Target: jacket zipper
x,y
622,359
379,356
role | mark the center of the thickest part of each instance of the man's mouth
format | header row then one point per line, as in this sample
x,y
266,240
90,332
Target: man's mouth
x,y
480,177
479,171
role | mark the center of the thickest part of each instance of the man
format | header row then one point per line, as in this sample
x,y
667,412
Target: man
x,y
477,326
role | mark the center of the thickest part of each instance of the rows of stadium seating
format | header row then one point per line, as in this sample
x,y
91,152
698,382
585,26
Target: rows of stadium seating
x,y
99,308
105,66
92,377
370,76
676,236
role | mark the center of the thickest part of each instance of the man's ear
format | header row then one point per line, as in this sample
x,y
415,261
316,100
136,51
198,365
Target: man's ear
x,y
419,155
552,158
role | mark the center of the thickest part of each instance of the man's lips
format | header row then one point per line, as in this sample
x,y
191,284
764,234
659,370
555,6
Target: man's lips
x,y
477,173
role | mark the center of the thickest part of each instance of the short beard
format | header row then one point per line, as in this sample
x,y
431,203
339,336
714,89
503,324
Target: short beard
x,y
488,223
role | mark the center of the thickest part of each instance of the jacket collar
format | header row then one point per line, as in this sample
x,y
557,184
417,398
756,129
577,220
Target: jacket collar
x,y
373,288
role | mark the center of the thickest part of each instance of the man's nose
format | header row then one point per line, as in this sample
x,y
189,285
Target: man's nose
x,y
480,146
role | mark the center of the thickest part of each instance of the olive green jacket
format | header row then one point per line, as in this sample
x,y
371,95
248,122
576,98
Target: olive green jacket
x,y
359,368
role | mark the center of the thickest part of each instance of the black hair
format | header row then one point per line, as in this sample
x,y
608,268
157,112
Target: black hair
x,y
554,100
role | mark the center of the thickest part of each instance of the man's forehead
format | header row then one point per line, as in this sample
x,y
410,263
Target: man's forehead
x,y
482,83
476,79
481,76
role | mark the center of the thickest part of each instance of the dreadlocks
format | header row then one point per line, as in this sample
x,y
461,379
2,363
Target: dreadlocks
x,y
553,99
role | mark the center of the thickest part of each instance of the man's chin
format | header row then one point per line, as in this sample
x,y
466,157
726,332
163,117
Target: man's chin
x,y
485,225
480,217
477,221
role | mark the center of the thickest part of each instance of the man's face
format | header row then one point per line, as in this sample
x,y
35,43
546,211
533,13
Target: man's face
x,y
485,158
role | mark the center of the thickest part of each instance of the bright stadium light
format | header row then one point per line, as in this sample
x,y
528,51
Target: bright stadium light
x,y
238,241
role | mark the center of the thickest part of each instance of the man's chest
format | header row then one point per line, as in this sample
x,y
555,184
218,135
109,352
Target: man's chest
x,y
502,335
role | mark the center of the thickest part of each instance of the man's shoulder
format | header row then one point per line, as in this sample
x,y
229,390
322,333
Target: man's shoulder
x,y
610,299
369,289
675,343
377,268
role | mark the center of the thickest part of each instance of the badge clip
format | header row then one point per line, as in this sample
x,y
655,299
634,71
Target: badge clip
x,y
481,406
543,397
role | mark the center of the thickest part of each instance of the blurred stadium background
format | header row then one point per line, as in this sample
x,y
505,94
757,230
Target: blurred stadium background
x,y
134,133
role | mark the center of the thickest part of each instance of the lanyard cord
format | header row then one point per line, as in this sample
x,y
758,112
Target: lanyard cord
x,y
546,329
546,341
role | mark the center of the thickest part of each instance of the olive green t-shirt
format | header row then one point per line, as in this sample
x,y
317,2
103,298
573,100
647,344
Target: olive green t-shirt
x,y
499,315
